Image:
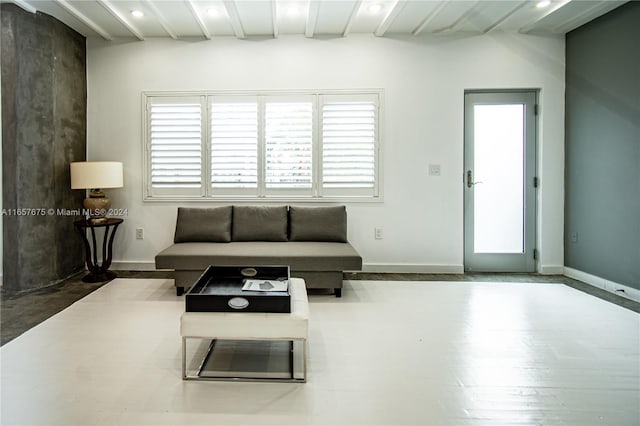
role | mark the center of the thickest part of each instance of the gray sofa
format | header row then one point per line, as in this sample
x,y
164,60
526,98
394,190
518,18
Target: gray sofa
x,y
311,240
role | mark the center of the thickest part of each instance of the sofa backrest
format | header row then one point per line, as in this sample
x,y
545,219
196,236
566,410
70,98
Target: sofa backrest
x,y
261,223
203,225
318,224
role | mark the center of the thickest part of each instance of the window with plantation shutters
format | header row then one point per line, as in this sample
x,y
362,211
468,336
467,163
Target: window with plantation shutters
x,y
234,144
175,146
288,145
348,144
317,146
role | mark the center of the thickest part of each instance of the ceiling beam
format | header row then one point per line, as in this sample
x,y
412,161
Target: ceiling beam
x,y
430,17
391,16
161,19
116,14
352,17
458,21
274,18
587,15
26,6
506,16
236,24
85,20
557,6
199,20
312,18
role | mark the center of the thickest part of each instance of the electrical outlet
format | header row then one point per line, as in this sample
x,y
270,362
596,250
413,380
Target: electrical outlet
x,y
434,169
378,233
574,237
139,233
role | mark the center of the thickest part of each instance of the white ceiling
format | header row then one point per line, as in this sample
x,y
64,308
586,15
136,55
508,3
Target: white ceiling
x,y
112,19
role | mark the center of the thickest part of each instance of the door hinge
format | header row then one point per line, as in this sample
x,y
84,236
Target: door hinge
x,y
535,109
535,254
536,182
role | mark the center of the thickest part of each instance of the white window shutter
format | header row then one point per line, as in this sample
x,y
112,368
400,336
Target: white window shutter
x,y
288,145
312,145
234,145
349,144
175,145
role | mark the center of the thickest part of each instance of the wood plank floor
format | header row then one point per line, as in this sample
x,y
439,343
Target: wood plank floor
x,y
386,353
21,312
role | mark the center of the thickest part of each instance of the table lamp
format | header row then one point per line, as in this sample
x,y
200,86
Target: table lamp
x,y
95,176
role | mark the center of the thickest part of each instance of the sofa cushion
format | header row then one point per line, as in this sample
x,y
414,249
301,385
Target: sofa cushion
x,y
318,224
203,225
259,223
300,256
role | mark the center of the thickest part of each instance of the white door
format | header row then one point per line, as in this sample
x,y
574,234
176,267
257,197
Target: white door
x,y
500,181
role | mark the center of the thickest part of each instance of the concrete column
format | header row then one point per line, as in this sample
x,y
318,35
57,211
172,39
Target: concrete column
x,y
43,129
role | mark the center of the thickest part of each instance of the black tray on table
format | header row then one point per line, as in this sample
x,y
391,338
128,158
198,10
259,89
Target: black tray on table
x,y
219,289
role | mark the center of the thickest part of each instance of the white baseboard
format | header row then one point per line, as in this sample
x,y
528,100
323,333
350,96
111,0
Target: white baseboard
x,y
400,268
604,284
551,269
133,265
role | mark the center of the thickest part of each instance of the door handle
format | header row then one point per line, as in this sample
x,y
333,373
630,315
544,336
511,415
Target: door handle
x,y
470,181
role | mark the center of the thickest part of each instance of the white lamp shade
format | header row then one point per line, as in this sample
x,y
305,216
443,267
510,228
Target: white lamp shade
x,y
96,175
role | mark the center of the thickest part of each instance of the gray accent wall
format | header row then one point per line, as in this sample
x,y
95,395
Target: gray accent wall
x,y
44,91
602,192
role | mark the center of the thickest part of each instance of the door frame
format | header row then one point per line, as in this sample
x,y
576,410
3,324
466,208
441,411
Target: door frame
x,y
473,262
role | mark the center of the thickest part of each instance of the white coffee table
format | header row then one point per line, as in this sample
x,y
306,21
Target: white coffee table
x,y
215,326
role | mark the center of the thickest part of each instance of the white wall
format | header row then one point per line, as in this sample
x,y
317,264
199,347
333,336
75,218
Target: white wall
x,y
424,81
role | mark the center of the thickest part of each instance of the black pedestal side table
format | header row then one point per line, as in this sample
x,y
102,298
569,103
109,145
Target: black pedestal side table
x,y
98,273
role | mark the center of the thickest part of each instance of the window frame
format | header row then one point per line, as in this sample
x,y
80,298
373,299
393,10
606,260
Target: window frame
x,y
262,194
